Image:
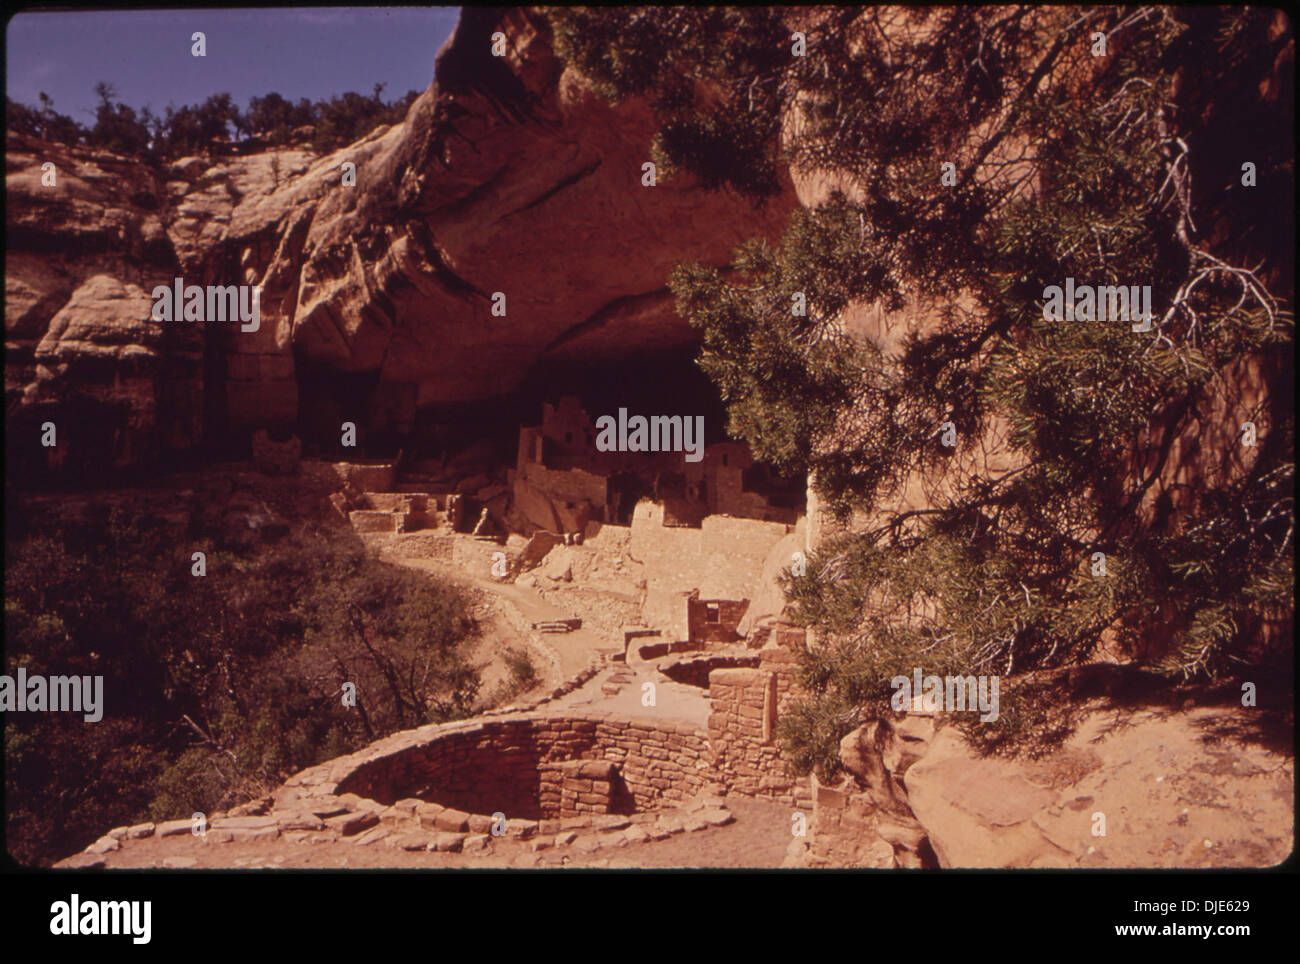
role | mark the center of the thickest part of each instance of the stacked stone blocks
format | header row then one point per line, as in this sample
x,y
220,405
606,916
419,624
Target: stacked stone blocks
x,y
536,768
746,704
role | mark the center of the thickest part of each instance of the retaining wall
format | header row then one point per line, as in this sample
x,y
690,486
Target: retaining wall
x,y
746,704
514,766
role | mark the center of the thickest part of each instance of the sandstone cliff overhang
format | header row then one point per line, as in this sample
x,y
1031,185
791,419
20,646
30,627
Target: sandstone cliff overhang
x,y
508,175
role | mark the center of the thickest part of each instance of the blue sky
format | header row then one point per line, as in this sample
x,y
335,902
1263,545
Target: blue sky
x,y
145,54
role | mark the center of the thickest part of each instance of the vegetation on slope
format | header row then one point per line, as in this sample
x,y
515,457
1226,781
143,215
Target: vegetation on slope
x,y
217,687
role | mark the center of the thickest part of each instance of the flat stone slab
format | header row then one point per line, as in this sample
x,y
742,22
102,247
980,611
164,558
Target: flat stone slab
x,y
447,842
636,834
452,821
407,841
249,834
243,823
523,829
717,817
370,837
352,823
81,861
671,823
137,832
299,821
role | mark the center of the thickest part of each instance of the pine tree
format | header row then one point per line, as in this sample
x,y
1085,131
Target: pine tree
x,y
1060,164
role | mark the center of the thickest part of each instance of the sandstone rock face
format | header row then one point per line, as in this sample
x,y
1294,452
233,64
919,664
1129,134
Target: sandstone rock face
x,y
508,175
768,601
1175,790
866,821
534,191
85,243
1138,788
104,320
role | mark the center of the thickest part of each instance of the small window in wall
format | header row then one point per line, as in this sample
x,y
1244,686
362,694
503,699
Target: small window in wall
x,y
568,438
712,613
724,461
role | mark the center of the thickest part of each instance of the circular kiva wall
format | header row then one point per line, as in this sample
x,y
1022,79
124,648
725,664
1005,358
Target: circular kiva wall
x,y
539,768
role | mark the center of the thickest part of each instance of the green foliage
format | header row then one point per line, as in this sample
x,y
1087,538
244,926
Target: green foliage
x,y
342,120
809,734
44,123
520,664
117,128
215,688
1033,722
1065,165
273,119
195,129
522,676
668,56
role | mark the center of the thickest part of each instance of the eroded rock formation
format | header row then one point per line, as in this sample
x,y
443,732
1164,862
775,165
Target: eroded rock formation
x,y
508,175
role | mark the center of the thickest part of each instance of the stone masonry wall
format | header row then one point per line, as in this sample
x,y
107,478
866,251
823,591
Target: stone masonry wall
x,y
723,559
374,476
509,765
694,671
726,613
590,786
746,704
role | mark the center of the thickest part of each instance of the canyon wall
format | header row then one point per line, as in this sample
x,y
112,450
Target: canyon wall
x,y
507,175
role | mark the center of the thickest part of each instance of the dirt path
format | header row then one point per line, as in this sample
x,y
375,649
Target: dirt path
x,y
573,650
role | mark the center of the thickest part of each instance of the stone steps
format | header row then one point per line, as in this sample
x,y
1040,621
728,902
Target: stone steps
x,y
558,625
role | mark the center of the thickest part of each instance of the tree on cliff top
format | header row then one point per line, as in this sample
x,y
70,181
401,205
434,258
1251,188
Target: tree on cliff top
x,y
980,155
44,123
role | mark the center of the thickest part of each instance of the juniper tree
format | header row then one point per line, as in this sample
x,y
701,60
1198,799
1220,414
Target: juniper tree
x,y
1065,157
117,128
45,123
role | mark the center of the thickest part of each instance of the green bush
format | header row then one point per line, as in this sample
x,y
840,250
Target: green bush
x,y
216,688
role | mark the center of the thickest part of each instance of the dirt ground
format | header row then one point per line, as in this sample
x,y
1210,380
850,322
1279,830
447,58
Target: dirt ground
x,y
758,838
